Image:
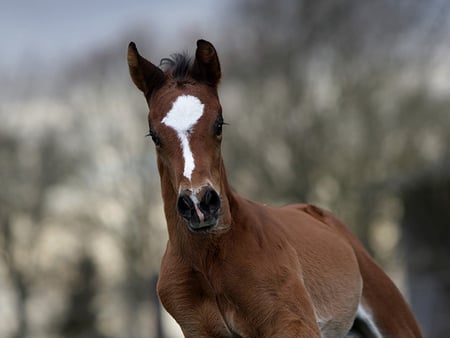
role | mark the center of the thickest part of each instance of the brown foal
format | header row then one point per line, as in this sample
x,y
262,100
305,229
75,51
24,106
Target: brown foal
x,y
237,268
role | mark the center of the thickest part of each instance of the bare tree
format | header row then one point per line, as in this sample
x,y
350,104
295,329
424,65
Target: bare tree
x,y
344,103
333,99
25,183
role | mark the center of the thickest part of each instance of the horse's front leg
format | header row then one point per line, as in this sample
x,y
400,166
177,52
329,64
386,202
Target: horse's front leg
x,y
186,296
289,324
275,306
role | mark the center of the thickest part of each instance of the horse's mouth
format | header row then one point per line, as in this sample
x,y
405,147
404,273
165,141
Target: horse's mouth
x,y
203,227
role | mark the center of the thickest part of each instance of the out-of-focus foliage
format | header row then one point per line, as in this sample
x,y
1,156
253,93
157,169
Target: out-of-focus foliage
x,y
427,234
346,104
339,108
79,200
343,104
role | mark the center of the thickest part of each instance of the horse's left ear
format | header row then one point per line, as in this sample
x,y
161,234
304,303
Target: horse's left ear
x,y
206,66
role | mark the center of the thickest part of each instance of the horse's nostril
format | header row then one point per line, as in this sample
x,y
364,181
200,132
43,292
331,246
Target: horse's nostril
x,y
185,206
210,201
203,215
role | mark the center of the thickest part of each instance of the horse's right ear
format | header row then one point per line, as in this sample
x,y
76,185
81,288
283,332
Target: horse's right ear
x,y
145,75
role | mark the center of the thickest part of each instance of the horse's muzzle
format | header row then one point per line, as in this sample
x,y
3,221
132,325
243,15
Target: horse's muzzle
x,y
200,210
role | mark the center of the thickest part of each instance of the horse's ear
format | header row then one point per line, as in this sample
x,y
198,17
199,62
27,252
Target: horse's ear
x,y
206,66
145,75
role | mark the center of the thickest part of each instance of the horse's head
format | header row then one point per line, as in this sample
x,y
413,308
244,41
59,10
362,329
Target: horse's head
x,y
185,121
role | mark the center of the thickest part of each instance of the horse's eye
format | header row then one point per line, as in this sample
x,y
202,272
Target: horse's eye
x,y
218,126
155,137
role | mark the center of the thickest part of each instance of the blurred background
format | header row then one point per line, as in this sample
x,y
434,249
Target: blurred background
x,y
345,104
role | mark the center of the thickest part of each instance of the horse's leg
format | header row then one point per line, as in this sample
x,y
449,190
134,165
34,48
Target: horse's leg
x,y
185,295
360,329
354,334
299,324
280,309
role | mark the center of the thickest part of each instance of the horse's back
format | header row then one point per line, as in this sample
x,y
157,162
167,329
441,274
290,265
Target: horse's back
x,y
389,312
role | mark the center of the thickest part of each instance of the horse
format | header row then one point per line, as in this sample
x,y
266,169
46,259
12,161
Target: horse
x,y
237,268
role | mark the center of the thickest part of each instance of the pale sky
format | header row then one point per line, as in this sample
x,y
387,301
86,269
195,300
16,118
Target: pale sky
x,y
48,29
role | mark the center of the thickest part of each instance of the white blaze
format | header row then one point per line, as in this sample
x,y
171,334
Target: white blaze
x,y
185,112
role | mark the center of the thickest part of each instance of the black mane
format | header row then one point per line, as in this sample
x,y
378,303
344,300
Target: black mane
x,y
177,65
